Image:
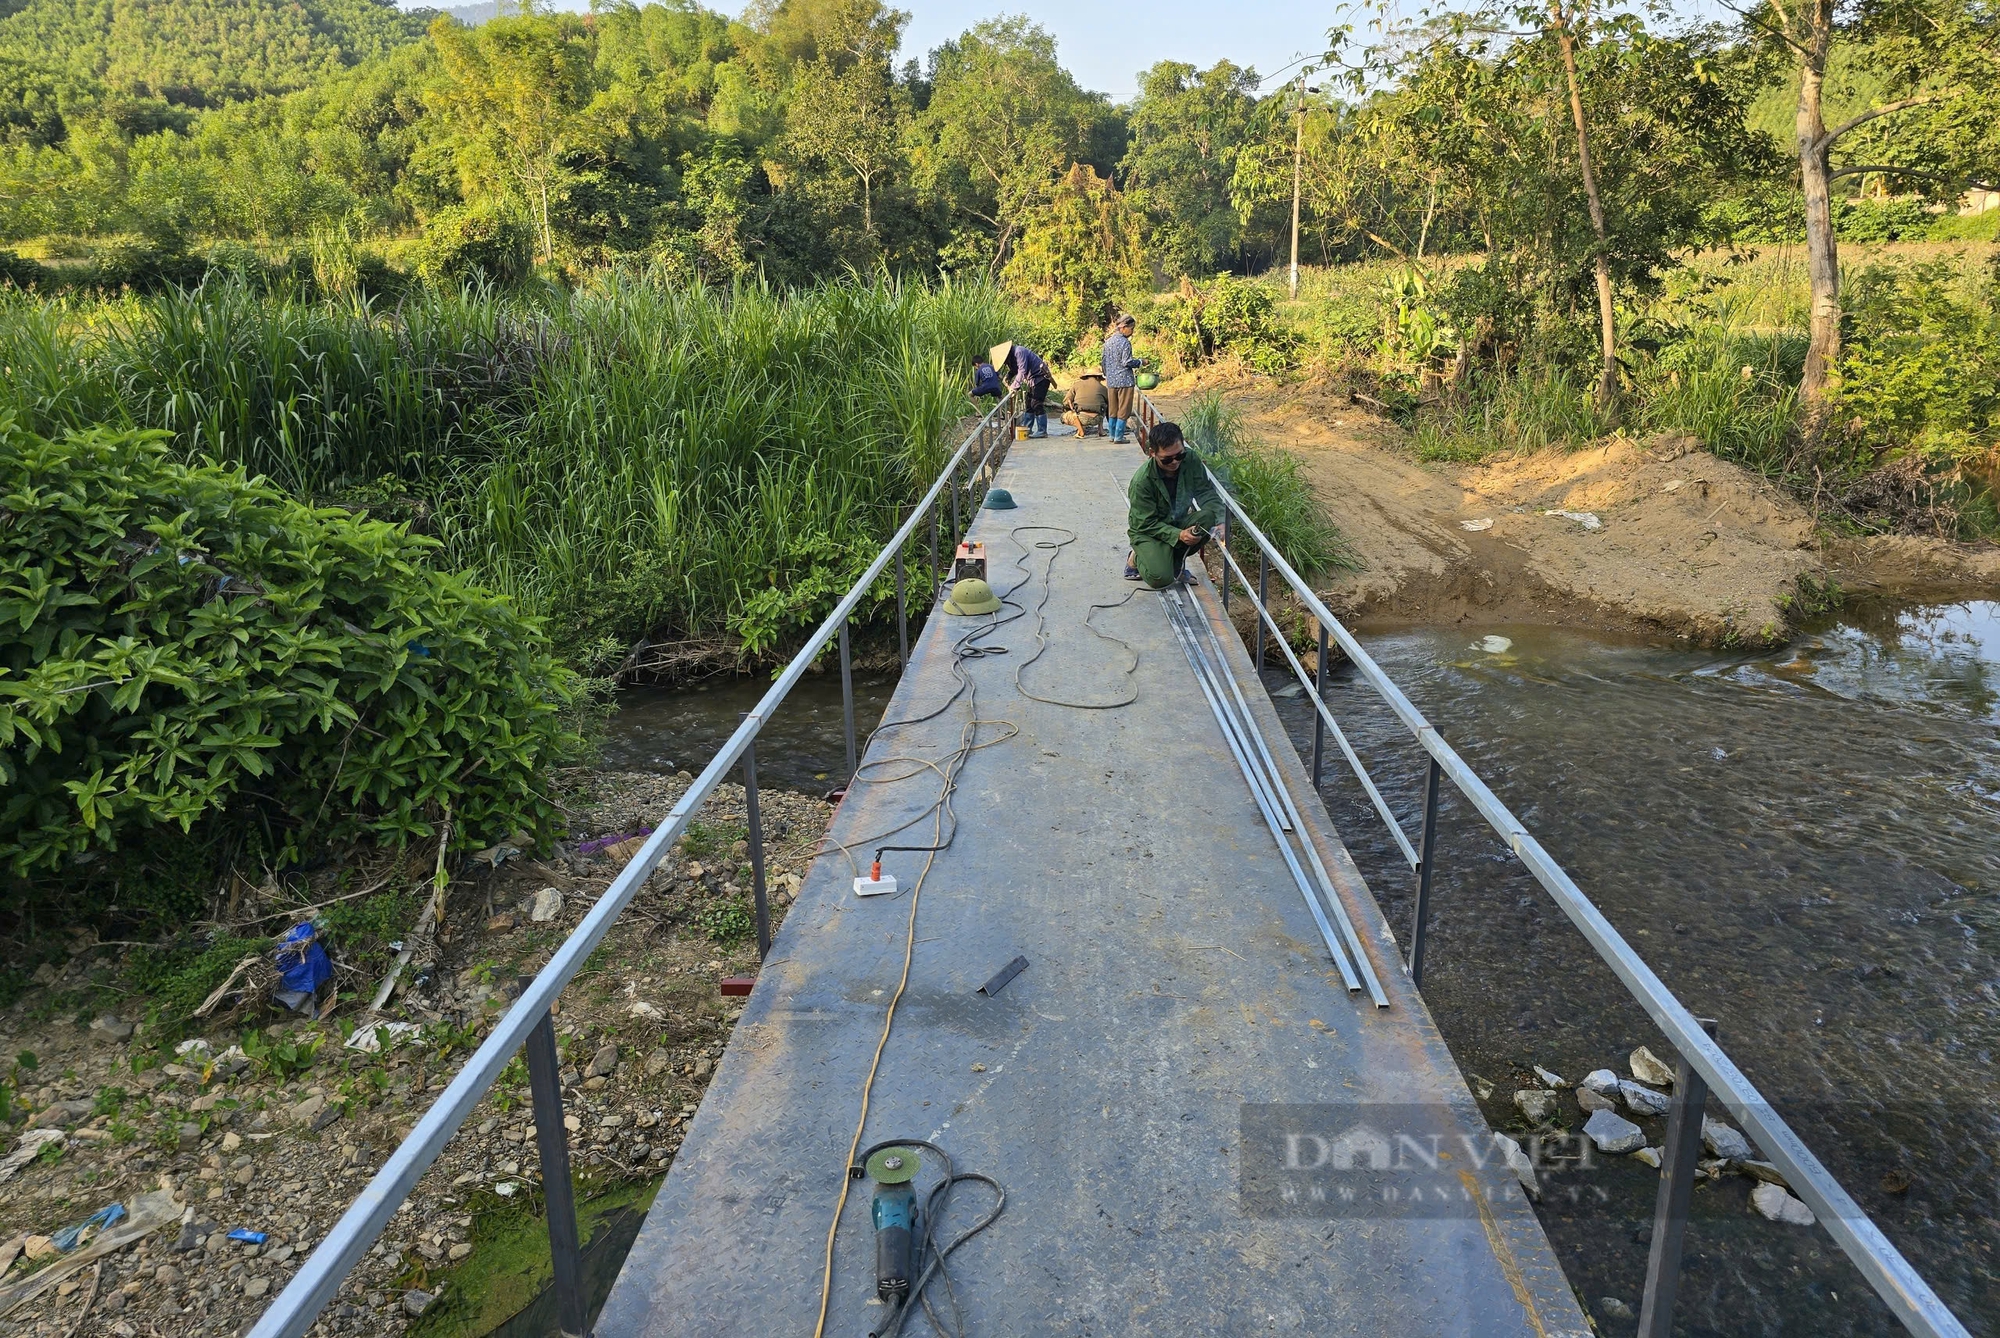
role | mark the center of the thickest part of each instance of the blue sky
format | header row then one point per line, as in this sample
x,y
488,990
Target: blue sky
x,y
1105,43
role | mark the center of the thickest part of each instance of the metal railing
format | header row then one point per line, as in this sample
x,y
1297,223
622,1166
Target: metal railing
x,y
528,1024
1702,1069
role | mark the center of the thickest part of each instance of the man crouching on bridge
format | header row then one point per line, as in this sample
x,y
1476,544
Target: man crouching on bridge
x,y
1173,507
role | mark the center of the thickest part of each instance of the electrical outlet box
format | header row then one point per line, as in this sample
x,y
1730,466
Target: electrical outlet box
x,y
875,887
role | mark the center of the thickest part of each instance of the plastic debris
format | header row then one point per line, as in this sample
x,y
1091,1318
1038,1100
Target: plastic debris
x,y
1587,519
371,1038
507,1189
1483,523
70,1237
25,1151
302,966
247,1236
602,843
1495,645
149,1213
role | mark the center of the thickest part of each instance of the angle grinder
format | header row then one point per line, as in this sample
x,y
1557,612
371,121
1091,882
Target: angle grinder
x,y
898,1233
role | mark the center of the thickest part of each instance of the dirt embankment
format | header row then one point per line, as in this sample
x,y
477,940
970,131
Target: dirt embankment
x,y
1653,536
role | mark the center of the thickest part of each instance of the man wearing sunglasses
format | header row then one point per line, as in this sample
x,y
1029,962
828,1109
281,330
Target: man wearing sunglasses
x,y
1173,508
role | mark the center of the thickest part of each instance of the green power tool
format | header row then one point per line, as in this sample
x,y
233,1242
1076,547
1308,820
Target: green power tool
x,y
898,1232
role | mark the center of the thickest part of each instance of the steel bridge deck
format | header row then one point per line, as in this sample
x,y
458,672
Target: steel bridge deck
x,y
1175,978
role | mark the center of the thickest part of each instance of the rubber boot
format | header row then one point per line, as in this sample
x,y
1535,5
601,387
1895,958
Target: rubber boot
x,y
1116,428
1041,425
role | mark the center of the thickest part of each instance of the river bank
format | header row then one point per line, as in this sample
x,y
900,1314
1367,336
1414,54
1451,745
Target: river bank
x,y
273,1125
1654,537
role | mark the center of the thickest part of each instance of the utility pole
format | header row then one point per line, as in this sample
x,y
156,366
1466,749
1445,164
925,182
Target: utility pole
x,y
1298,154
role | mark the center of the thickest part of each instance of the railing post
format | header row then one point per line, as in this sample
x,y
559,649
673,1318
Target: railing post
x,y
1263,598
1222,538
1426,857
756,821
902,616
954,507
1670,1210
1319,721
935,574
552,1140
847,698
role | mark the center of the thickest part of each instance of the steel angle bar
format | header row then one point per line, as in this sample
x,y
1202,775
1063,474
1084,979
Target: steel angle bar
x,y
1238,746
1259,786
1212,692
1381,804
1277,781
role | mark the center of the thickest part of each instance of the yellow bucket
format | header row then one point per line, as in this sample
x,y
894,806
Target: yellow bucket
x,y
1020,433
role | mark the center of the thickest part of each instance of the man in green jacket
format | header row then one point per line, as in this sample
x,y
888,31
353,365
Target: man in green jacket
x,y
1173,508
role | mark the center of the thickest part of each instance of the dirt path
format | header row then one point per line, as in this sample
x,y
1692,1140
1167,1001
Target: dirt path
x,y
1662,538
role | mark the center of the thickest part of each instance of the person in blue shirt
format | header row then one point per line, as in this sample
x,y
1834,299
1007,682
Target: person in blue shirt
x,y
1119,383
986,381
1019,365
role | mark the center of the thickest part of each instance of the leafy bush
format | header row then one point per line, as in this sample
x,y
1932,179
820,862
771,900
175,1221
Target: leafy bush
x,y
16,271
465,244
1920,371
1227,315
183,643
1270,486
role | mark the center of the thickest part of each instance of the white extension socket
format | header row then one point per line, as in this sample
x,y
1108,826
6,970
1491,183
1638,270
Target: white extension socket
x,y
875,887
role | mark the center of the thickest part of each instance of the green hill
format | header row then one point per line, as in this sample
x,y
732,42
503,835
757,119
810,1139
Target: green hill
x,y
198,52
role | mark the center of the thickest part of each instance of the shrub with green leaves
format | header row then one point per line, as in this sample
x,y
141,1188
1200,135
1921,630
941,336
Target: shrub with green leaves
x,y
1921,370
184,644
1269,484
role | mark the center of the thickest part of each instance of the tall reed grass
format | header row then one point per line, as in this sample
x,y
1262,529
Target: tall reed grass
x,y
619,459
1270,484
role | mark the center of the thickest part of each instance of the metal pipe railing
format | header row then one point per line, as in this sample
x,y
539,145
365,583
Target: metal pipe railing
x,y
529,1022
1707,1070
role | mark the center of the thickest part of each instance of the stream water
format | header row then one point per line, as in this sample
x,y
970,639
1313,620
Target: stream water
x,y
1805,846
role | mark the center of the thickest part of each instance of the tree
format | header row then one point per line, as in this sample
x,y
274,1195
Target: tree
x,y
1004,122
1477,131
844,107
1938,71
517,90
1187,131
1600,264
1080,248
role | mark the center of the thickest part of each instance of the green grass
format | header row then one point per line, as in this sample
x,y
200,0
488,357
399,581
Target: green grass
x,y
1270,485
622,460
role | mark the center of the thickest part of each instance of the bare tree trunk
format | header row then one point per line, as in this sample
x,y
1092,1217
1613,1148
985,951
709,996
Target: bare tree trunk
x,y
1822,250
1607,379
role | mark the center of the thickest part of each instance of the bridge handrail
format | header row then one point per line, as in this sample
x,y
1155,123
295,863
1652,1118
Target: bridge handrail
x,y
1891,1276
314,1285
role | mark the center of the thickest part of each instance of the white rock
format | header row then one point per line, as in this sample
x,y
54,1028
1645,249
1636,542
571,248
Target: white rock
x,y
1548,1079
1601,1081
1647,1068
1476,526
1644,1100
1519,1163
645,1011
1614,1133
1778,1206
1724,1141
1534,1103
1651,1156
1495,645
544,906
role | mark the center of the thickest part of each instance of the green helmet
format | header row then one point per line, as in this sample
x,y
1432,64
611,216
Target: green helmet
x,y
972,595
999,499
